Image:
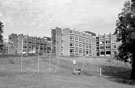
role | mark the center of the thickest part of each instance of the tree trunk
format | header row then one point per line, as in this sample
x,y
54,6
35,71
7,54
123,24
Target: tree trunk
x,y
133,68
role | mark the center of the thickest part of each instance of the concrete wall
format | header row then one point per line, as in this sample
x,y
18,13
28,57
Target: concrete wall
x,y
66,42
13,44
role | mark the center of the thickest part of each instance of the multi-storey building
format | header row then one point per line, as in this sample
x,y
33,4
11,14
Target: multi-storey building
x,y
69,42
56,41
29,44
12,44
106,45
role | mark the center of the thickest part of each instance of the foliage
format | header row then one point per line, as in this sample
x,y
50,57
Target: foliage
x,y
125,32
1,37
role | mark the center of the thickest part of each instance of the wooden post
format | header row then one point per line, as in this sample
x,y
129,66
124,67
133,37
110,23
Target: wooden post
x,y
22,57
100,71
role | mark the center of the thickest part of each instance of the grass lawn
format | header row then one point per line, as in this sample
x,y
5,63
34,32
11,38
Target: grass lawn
x,y
57,73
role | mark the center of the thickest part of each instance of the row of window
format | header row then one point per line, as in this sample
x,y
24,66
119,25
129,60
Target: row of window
x,y
48,48
107,47
80,51
81,45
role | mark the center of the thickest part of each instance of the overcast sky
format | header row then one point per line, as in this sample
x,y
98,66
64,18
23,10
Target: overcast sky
x,y
37,17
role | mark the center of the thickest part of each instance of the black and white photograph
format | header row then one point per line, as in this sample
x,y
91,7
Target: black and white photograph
x,y
67,43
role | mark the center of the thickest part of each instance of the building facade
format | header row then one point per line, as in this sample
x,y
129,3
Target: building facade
x,y
106,45
28,44
67,42
56,41
13,43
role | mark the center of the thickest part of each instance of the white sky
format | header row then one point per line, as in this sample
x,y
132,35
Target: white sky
x,y
37,17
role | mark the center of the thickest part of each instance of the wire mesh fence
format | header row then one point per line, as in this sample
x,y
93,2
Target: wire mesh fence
x,y
52,64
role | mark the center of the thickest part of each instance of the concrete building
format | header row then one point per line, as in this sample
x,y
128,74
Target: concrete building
x,y
94,47
28,44
12,43
106,45
69,42
56,41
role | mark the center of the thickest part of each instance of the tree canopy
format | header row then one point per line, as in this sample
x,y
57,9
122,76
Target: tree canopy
x,y
125,33
1,36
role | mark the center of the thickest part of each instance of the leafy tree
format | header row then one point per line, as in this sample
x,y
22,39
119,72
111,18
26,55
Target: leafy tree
x,y
125,32
1,37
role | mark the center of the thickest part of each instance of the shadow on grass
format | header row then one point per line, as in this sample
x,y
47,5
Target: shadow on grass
x,y
118,74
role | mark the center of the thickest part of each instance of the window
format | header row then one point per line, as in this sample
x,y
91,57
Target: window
x,y
71,37
71,44
97,42
107,41
87,46
25,41
83,51
102,53
101,47
87,52
76,50
80,51
76,32
83,40
87,40
80,45
80,39
41,44
71,31
114,46
76,44
71,50
108,52
76,38
84,45
24,46
108,47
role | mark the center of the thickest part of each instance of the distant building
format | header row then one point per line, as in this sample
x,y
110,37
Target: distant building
x,y
28,44
56,41
69,42
64,42
106,45
13,43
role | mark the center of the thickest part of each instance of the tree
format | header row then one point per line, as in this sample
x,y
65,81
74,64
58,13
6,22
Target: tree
x,y
1,37
125,32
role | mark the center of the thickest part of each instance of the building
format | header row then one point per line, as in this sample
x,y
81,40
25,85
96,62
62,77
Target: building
x,y
28,44
94,46
106,45
13,43
67,42
56,41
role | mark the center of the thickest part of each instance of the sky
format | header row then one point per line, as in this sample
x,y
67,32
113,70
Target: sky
x,y
37,17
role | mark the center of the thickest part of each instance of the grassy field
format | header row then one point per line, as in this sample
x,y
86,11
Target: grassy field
x,y
57,72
